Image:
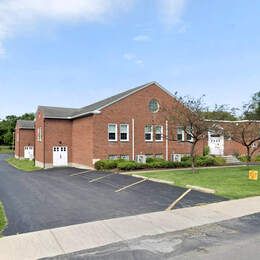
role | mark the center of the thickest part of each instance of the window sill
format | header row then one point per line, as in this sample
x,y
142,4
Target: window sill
x,y
159,141
124,141
149,141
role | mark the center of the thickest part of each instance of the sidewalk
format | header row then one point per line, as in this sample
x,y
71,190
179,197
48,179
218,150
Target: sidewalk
x,y
73,238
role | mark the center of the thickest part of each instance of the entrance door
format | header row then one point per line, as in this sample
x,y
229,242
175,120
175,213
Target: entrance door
x,y
28,152
216,144
60,156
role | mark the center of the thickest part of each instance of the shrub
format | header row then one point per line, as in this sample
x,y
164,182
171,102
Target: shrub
x,y
242,158
206,150
186,158
105,164
152,160
128,165
219,161
158,164
204,160
257,158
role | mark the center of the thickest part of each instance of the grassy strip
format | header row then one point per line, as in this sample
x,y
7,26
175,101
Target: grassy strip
x,y
232,183
3,219
5,150
24,165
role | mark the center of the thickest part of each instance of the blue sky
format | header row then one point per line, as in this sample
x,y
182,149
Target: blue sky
x,y
72,53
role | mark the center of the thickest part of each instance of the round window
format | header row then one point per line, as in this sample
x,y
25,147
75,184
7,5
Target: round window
x,y
154,106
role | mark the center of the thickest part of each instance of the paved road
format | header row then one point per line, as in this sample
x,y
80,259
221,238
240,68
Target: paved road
x,y
52,198
237,239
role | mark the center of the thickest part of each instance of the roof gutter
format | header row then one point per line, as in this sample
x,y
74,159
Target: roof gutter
x,y
95,112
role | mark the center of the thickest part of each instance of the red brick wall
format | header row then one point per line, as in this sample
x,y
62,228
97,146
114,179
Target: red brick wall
x,y
57,133
82,141
231,148
134,106
26,138
39,146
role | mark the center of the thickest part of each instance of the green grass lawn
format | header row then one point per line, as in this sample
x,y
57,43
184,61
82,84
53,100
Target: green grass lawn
x,y
229,182
24,165
5,149
3,219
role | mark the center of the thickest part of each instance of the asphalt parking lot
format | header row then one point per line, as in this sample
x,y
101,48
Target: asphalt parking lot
x,y
60,197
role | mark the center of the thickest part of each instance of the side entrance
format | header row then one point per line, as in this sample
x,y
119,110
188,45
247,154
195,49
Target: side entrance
x,y
216,144
60,156
28,152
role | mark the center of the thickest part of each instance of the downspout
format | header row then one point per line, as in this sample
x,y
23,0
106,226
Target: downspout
x,y
166,140
43,143
133,139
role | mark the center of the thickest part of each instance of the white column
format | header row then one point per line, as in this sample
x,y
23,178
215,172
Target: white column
x,y
133,139
166,140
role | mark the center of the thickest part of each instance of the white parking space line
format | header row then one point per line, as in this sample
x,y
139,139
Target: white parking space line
x,y
102,177
128,186
78,173
177,200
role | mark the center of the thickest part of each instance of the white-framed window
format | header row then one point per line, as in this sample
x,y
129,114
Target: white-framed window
x,y
189,135
180,134
148,133
124,132
158,133
112,132
39,134
124,156
113,157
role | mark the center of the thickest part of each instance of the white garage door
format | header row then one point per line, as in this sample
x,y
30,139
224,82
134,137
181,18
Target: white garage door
x,y
28,152
60,156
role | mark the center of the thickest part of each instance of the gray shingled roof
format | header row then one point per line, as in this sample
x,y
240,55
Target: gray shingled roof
x,y
25,124
58,112
70,113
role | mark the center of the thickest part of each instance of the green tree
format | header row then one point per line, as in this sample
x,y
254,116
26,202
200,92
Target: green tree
x,y
7,127
221,112
252,110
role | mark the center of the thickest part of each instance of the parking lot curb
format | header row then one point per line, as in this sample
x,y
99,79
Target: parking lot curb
x,y
153,179
201,189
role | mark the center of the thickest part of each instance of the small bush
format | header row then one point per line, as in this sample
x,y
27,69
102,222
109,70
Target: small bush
x,y
218,161
105,164
257,158
152,160
128,165
158,164
204,161
206,150
242,158
186,158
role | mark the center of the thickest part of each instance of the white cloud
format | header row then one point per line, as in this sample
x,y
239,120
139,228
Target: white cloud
x,y
132,57
142,38
19,15
171,11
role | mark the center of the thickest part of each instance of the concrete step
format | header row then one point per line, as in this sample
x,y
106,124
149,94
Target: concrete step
x,y
230,159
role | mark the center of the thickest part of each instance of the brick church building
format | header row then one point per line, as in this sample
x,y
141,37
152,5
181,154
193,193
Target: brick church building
x,y
128,125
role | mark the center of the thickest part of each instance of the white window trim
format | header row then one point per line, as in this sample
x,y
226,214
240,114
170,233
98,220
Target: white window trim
x,y
112,140
191,139
127,132
150,140
39,134
182,133
161,140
